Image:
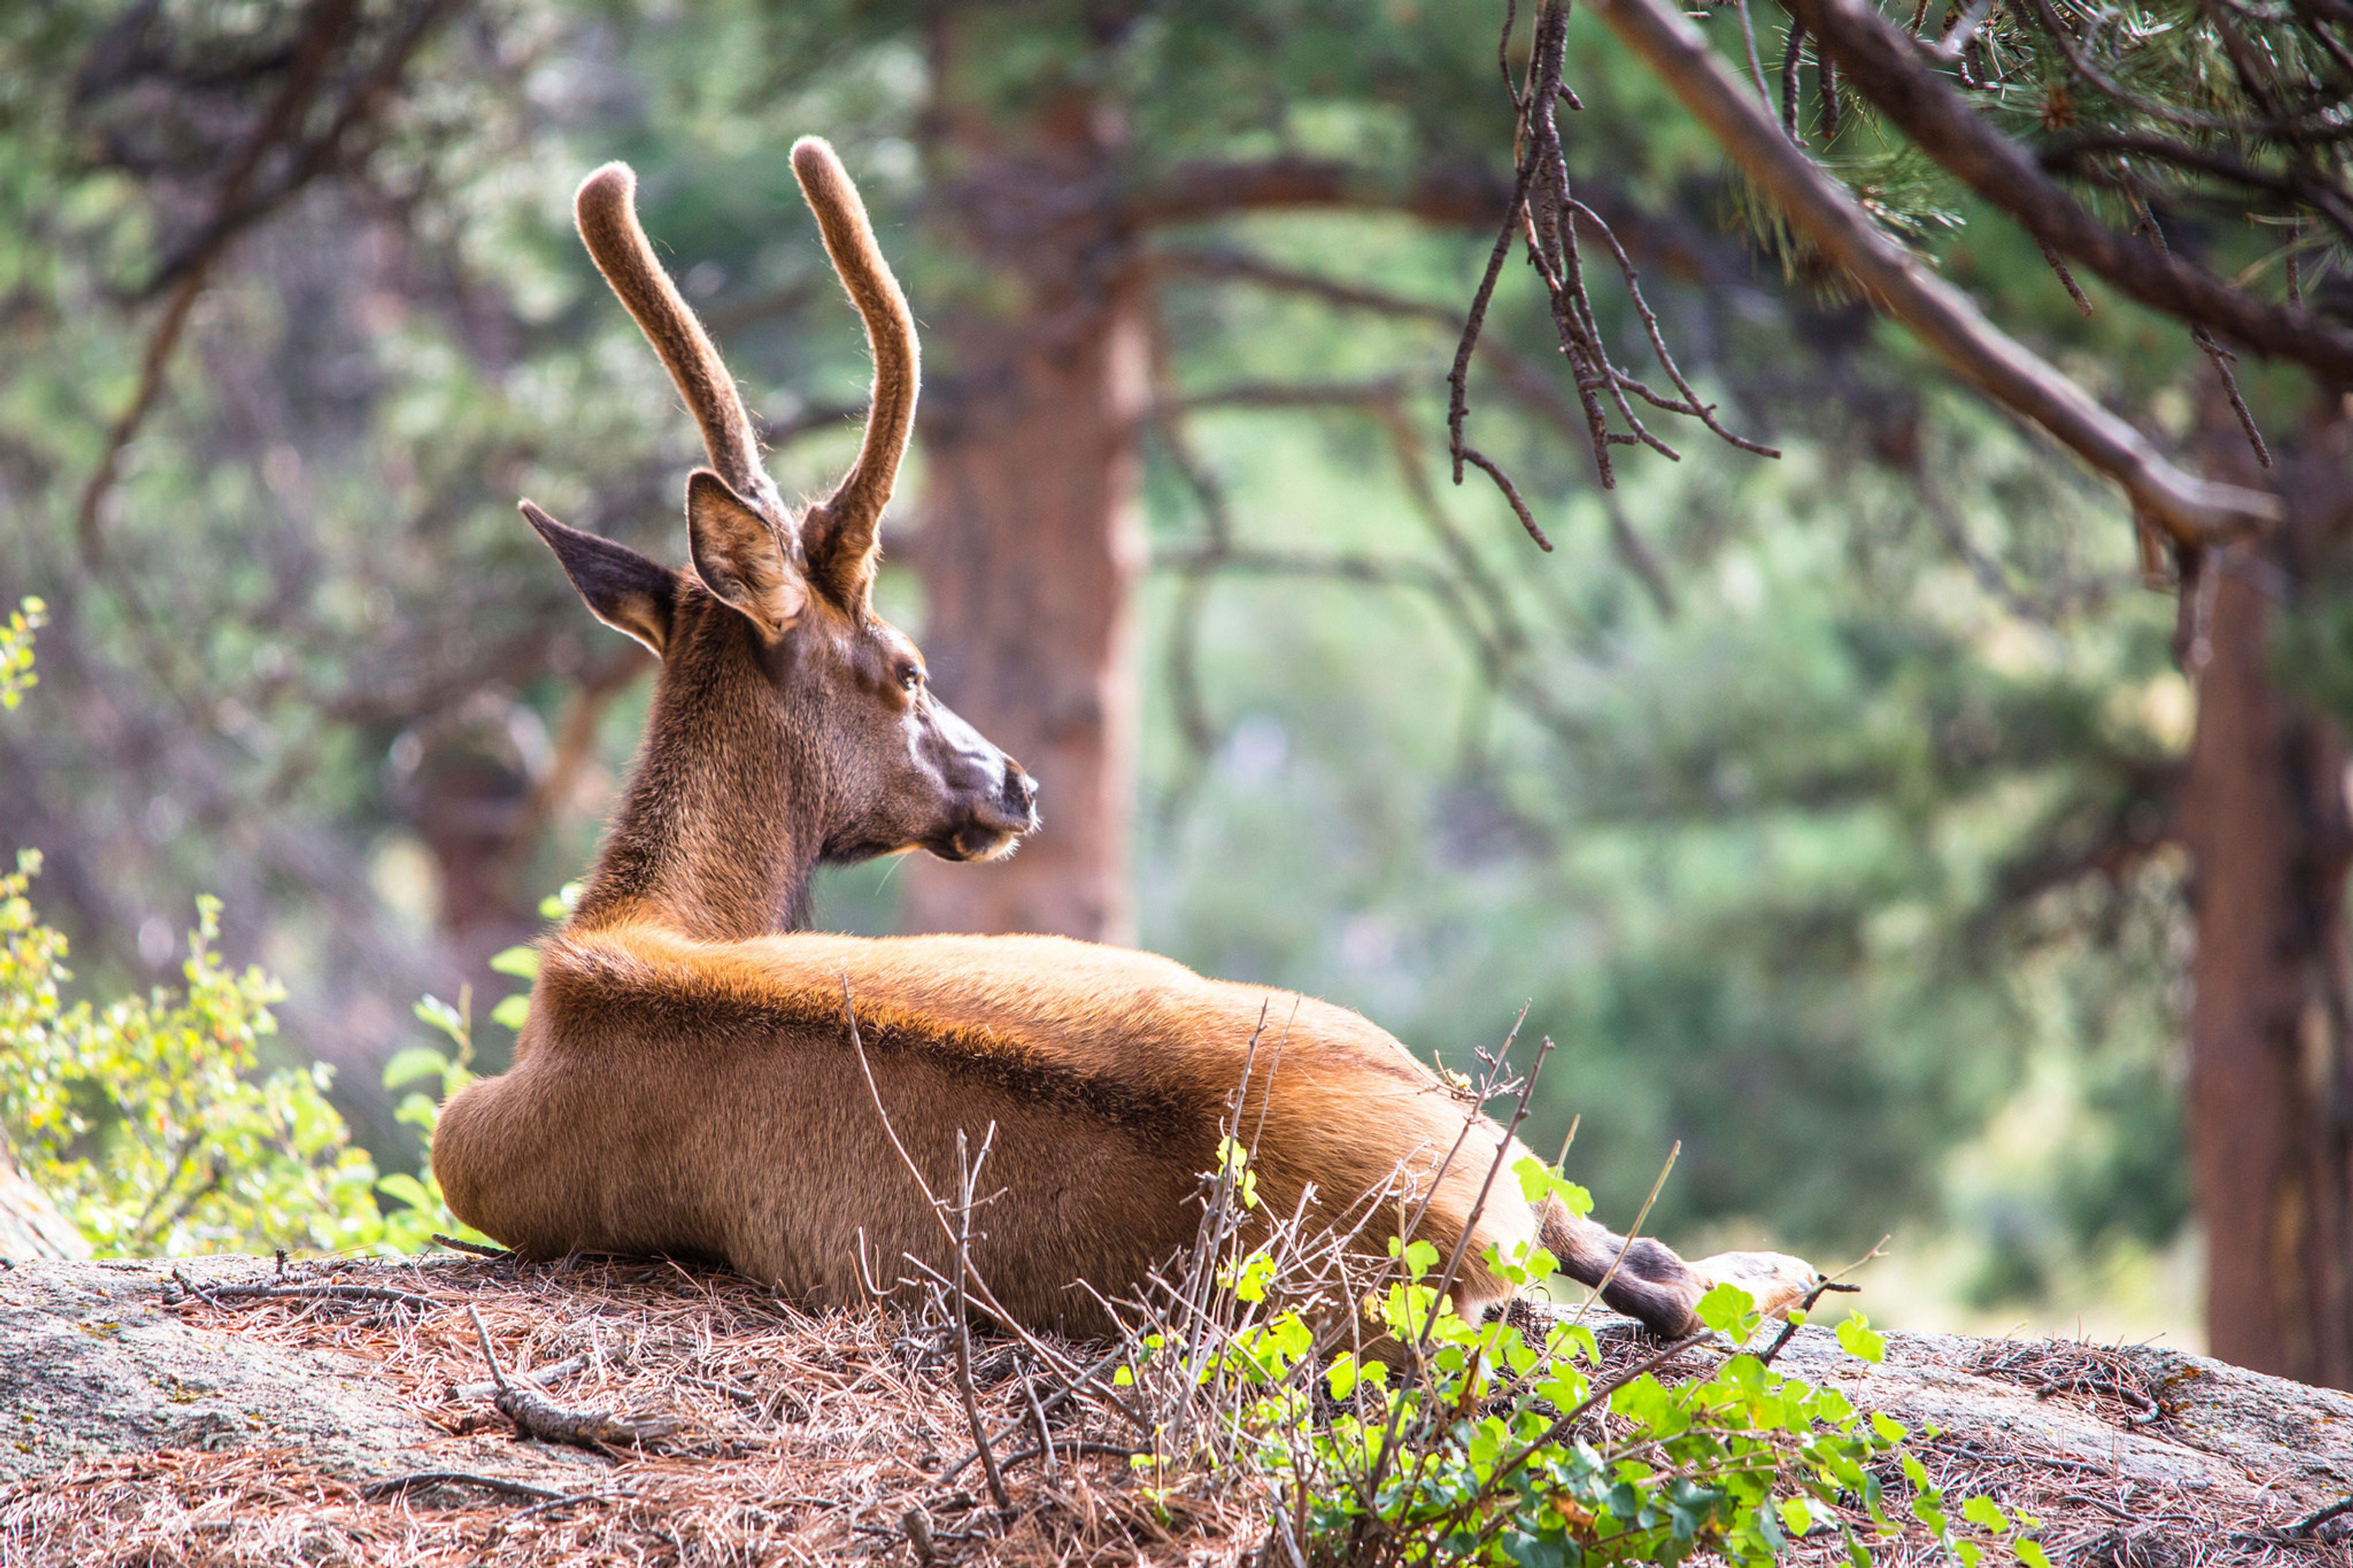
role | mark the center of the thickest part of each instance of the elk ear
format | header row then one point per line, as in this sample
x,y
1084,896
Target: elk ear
x,y
623,589
740,556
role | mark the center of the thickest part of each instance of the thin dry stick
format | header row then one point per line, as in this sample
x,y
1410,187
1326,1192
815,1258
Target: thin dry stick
x,y
2066,279
1053,1400
1792,58
536,1416
378,1294
2216,354
1600,1391
1061,1363
554,1372
1479,1204
393,1486
1543,216
1406,1231
2305,1527
473,1248
1755,64
1789,1325
967,1175
1037,1411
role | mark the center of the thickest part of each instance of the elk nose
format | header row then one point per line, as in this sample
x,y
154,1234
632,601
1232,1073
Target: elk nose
x,y
1020,796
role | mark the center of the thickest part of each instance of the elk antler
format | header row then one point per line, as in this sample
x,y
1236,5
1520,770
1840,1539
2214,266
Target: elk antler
x,y
839,530
606,207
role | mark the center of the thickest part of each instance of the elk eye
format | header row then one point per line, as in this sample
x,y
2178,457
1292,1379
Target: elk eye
x,y
911,679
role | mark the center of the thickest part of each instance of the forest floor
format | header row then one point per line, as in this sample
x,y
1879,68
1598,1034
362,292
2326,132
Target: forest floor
x,y
234,1410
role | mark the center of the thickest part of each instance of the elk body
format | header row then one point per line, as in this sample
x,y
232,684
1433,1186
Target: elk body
x,y
687,1080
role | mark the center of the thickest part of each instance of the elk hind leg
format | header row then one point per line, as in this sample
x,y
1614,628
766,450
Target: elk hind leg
x,y
1648,1282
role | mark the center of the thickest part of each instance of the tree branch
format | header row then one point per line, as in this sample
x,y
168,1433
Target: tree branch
x,y
1880,62
2193,511
1195,193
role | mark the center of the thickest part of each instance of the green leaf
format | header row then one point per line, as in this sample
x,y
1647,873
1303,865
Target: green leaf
x,y
523,963
2030,1551
1728,1310
512,1012
561,903
414,1063
434,1011
1982,1511
1855,1334
406,1188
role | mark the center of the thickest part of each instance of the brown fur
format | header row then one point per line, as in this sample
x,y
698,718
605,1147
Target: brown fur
x,y
690,1080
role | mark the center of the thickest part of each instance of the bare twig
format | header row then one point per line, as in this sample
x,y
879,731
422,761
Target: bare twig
x,y
473,1249
960,1323
2309,1525
1828,1282
393,1486
536,1416
1080,1377
1633,1232
2216,354
1105,1450
1543,216
373,1294
2066,279
1793,57
1790,1325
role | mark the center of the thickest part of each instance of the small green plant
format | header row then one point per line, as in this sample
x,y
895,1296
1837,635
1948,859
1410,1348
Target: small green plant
x,y
1392,1431
419,1068
153,1120
16,676
150,1121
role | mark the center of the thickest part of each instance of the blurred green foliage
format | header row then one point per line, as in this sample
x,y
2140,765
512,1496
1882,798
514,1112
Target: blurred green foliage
x,y
153,1123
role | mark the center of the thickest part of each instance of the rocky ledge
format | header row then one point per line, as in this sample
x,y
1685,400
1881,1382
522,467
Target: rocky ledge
x,y
235,1409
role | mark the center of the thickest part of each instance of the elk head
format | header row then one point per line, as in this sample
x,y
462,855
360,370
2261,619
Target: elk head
x,y
776,673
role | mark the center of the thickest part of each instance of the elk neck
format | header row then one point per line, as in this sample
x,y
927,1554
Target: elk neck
x,y
716,835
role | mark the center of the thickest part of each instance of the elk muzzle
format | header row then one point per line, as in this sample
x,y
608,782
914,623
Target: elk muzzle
x,y
996,799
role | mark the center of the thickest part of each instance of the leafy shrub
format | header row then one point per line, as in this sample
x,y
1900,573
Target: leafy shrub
x,y
1394,1432
151,1119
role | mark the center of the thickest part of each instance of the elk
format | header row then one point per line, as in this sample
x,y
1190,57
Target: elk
x,y
688,1081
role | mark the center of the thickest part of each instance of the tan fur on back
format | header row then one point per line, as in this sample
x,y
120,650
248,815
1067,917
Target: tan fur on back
x,y
731,1118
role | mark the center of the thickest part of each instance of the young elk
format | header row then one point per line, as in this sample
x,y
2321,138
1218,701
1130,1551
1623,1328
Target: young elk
x,y
687,1080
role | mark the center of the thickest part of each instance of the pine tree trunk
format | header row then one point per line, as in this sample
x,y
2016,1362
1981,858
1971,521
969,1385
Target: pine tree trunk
x,y
1031,541
2271,1074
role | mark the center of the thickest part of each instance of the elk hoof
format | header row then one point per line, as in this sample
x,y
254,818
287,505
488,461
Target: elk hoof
x,y
1776,1280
